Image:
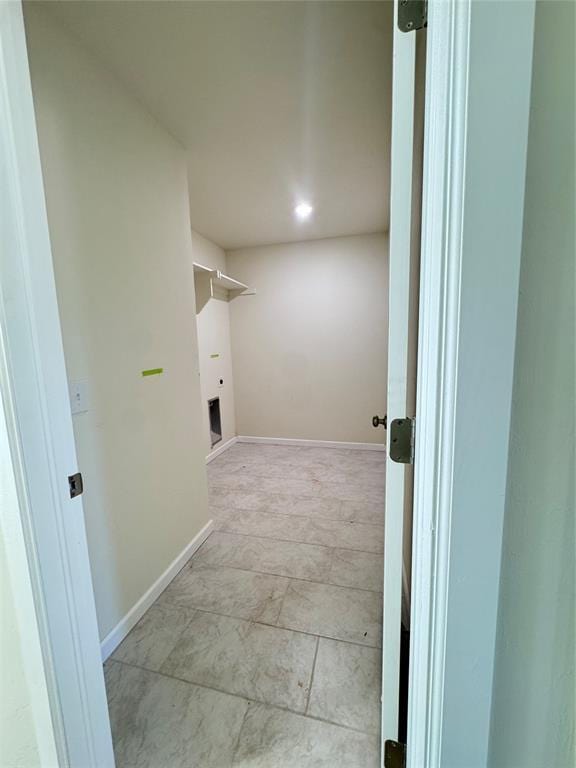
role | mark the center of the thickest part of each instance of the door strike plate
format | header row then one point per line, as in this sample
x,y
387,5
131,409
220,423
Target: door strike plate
x,y
402,440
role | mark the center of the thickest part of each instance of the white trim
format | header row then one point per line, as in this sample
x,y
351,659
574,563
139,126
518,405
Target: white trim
x,y
221,448
121,630
37,405
442,210
460,467
312,443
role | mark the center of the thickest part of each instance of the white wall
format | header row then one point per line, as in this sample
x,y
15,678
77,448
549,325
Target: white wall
x,y
213,323
117,201
533,713
310,348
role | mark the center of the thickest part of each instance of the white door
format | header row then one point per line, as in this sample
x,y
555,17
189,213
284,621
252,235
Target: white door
x,y
402,343
35,394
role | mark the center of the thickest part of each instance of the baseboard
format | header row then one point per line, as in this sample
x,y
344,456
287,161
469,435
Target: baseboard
x,y
115,636
224,447
312,443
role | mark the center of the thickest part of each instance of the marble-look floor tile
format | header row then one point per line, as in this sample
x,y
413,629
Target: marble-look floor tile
x,y
281,558
364,511
362,570
244,594
321,531
160,722
218,469
235,481
290,486
229,499
250,479
331,533
271,738
263,663
356,476
256,523
305,506
349,492
347,685
150,642
226,499
337,612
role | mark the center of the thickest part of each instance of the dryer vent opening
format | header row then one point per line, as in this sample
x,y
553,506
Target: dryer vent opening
x,y
215,421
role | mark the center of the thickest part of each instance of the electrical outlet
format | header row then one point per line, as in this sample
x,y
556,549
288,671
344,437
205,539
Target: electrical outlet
x,y
79,396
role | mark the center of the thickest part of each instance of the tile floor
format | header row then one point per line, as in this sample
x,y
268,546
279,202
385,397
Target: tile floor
x,y
264,652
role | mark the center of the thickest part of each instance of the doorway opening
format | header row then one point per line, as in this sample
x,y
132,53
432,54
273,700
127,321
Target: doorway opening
x,y
259,240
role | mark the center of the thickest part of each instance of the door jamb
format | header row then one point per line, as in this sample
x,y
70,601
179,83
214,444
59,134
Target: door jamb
x,y
442,209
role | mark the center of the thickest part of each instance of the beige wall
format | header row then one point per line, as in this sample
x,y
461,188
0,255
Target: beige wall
x,y
310,348
213,323
117,201
533,707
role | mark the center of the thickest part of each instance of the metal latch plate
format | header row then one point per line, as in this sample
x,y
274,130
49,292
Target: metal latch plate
x,y
412,14
394,754
76,484
402,440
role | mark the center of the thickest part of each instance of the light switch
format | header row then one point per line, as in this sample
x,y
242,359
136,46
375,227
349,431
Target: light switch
x,y
79,396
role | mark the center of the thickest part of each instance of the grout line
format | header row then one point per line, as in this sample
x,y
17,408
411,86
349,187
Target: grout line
x,y
344,521
237,743
283,576
260,511
312,676
282,601
264,474
215,486
272,626
240,696
291,541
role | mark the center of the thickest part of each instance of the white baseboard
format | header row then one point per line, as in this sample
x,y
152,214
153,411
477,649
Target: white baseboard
x,y
312,443
221,449
115,636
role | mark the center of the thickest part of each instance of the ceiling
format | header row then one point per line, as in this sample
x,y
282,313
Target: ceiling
x,y
275,102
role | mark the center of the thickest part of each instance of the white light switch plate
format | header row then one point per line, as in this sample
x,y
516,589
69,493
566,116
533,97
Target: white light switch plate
x,y
79,396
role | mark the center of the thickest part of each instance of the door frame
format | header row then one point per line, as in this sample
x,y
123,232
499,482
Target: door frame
x,y
34,388
478,79
34,391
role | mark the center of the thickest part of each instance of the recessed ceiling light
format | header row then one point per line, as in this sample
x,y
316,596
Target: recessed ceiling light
x,y
303,211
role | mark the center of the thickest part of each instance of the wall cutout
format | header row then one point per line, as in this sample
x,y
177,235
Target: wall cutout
x,y
215,421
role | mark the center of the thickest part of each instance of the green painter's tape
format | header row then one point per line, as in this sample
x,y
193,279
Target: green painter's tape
x,y
153,372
